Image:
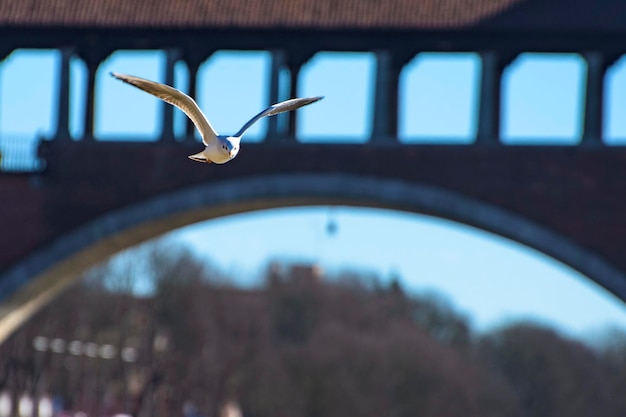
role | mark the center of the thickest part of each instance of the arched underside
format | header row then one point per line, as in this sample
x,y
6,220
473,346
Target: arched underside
x,y
39,278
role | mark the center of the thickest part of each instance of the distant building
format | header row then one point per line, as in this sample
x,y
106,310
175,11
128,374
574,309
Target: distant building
x,y
303,273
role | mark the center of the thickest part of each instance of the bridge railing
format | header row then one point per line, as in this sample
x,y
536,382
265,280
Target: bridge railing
x,y
20,153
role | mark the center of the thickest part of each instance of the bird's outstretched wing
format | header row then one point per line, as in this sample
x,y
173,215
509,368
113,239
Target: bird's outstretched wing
x,y
283,106
175,98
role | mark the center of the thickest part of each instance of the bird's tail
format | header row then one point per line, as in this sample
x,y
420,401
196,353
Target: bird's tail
x,y
199,157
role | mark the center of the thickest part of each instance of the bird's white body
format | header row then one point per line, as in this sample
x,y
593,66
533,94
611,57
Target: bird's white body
x,y
218,149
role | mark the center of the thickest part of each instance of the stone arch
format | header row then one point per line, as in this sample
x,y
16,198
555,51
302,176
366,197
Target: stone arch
x,y
41,276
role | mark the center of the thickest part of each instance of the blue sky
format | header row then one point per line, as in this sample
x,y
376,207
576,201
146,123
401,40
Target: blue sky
x,y
489,278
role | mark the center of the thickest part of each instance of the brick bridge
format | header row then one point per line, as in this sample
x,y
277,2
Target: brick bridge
x,y
84,200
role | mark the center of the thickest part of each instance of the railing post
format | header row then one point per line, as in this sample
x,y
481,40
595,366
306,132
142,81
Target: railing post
x,y
92,68
294,72
277,65
63,94
293,61
597,65
92,55
192,91
167,128
193,57
489,113
385,117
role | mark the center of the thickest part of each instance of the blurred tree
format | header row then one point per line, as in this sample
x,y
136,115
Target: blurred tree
x,y
435,314
303,344
612,349
553,376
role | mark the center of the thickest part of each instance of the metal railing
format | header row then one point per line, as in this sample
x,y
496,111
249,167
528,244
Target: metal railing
x,y
19,154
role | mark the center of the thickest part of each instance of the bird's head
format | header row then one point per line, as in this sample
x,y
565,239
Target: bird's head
x,y
232,146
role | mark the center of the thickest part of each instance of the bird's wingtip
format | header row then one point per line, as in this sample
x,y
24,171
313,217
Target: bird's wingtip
x,y
314,99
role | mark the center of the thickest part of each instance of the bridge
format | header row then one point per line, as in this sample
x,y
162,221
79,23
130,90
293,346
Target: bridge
x,y
84,200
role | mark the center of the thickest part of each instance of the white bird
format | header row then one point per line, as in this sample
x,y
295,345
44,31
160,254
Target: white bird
x,y
218,148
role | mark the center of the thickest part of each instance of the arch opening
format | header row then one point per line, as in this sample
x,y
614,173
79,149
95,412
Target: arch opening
x,y
41,276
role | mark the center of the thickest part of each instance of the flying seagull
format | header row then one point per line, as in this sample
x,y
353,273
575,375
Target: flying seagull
x,y
218,148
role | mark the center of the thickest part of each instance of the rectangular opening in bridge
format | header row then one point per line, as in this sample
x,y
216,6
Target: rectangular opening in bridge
x,y
346,80
542,99
615,104
439,98
232,88
28,98
122,111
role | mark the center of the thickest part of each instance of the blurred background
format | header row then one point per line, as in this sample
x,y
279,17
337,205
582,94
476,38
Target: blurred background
x,y
322,310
